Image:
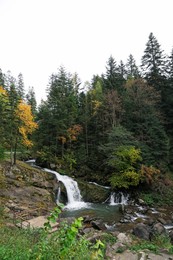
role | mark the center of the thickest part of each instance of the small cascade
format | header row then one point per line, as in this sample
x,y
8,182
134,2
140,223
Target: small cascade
x,y
118,198
73,193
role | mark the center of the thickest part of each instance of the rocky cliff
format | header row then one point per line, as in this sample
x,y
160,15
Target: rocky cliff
x,y
26,189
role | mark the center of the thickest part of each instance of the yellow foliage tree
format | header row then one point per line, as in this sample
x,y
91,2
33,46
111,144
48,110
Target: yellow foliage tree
x,y
2,91
26,122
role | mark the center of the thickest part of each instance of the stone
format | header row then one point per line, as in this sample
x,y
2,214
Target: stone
x,y
171,236
141,202
150,221
162,221
93,193
123,238
98,224
158,229
142,231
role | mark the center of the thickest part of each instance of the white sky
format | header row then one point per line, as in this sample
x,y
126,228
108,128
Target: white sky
x,y
37,36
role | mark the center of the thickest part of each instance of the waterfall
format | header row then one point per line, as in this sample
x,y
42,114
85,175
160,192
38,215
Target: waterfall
x,y
118,198
73,193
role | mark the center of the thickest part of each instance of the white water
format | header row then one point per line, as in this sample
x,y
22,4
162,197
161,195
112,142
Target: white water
x,y
73,193
118,198
105,187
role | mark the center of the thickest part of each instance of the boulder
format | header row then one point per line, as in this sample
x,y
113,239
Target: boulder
x,y
142,231
93,193
124,239
158,229
98,224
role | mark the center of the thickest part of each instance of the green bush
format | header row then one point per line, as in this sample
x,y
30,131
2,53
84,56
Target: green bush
x,y
31,244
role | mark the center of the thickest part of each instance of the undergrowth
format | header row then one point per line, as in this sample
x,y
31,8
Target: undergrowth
x,y
40,244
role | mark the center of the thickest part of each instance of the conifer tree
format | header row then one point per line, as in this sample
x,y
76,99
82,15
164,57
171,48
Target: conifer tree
x,y
20,86
153,63
131,67
31,100
113,78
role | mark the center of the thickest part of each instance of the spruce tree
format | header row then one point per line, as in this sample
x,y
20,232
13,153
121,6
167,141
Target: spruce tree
x,y
153,63
31,100
131,68
113,79
20,86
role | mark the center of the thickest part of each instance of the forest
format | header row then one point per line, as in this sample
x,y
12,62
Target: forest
x,y
116,129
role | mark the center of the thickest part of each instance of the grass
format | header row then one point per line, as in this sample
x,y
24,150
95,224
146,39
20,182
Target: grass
x,y
32,244
155,245
19,244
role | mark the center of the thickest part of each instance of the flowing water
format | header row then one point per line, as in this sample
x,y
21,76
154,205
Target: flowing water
x,y
110,211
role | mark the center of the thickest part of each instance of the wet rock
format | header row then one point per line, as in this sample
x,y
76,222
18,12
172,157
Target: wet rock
x,y
143,210
142,231
123,220
162,221
98,224
127,217
129,211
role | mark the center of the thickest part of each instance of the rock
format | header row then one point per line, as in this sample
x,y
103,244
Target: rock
x,y
171,236
158,229
111,254
93,193
118,246
141,202
98,224
162,221
124,220
129,211
142,231
94,236
86,230
127,217
27,190
123,238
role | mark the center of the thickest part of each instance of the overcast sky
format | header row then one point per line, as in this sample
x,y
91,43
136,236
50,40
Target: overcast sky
x,y
38,36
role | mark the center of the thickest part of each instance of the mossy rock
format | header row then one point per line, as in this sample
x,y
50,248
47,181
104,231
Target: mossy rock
x,y
93,193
